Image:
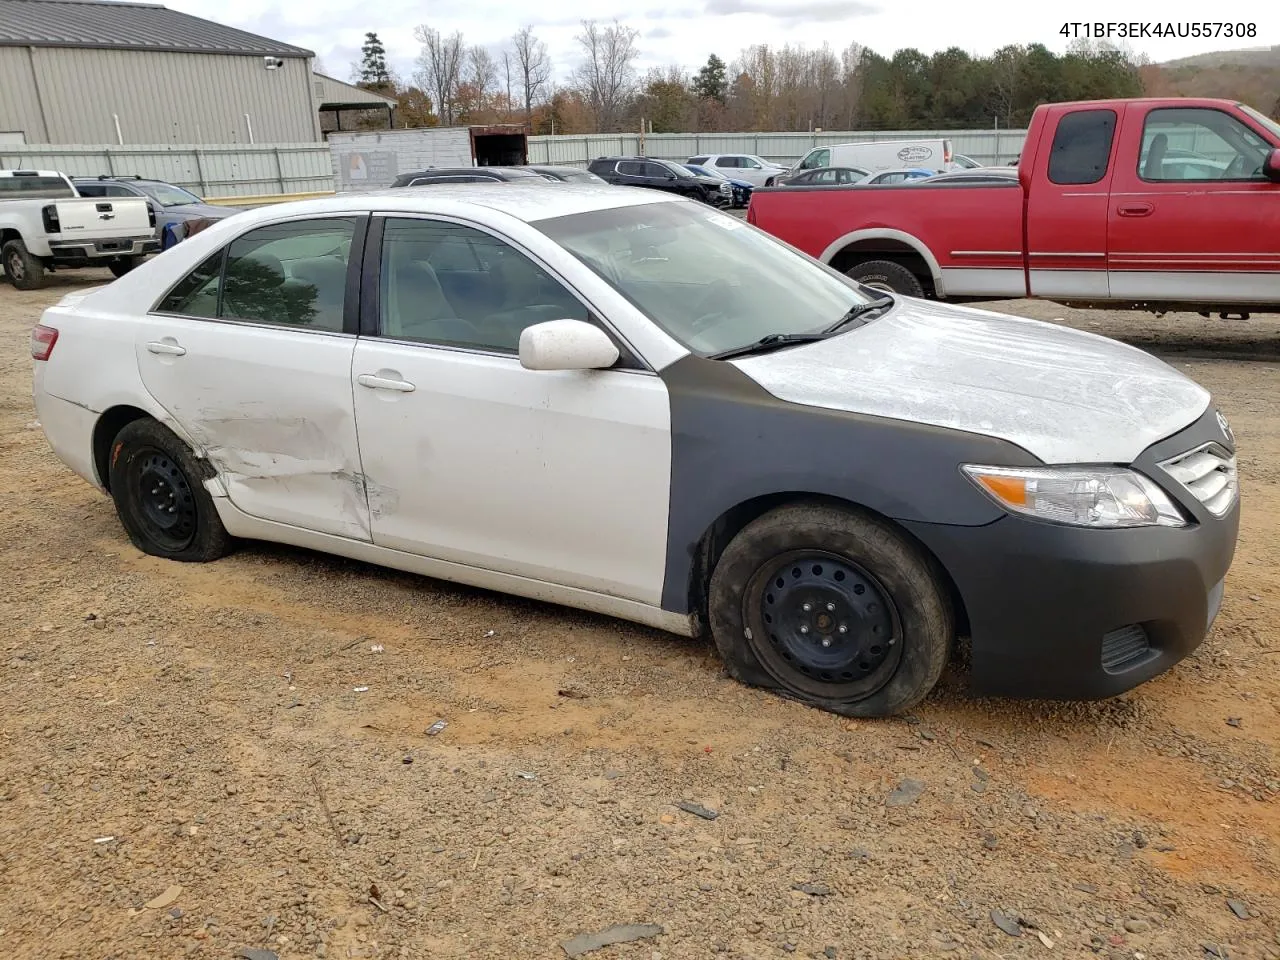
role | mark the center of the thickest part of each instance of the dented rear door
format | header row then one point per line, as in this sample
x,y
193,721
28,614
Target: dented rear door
x,y
253,360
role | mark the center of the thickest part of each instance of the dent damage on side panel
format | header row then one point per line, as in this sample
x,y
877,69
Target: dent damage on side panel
x,y
252,452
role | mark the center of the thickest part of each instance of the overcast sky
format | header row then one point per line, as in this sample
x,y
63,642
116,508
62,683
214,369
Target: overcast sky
x,y
686,31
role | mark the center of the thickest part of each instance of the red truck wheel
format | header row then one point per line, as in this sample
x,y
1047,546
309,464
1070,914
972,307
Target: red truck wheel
x,y
888,276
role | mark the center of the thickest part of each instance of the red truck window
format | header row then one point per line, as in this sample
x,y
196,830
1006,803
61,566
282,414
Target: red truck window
x,y
1199,144
1082,147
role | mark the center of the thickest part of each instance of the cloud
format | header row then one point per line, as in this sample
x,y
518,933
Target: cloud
x,y
658,33
793,12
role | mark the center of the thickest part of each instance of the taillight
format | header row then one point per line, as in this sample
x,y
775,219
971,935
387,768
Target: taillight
x,y
42,340
751,212
151,215
946,151
50,216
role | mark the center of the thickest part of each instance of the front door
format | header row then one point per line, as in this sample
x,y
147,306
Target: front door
x,y
470,458
1066,210
1192,217
252,359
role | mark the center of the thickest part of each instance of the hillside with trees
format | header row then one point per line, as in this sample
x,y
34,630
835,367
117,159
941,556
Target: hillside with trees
x,y
786,88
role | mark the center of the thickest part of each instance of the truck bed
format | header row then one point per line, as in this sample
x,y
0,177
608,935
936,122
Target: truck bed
x,y
974,231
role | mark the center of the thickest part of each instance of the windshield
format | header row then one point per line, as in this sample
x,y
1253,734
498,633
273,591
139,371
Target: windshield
x,y
1263,121
708,279
167,195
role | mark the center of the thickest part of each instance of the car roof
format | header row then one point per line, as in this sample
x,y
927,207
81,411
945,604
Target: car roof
x,y
465,171
528,201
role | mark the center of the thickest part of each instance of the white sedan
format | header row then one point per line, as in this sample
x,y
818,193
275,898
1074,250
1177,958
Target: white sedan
x,y
623,401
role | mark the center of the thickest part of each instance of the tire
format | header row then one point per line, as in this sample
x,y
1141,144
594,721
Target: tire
x,y
879,585
157,487
119,266
888,276
22,269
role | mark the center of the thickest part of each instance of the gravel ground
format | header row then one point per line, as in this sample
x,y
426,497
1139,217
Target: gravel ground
x,y
188,770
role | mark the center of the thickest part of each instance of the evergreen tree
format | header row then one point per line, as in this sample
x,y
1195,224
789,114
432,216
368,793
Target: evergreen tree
x,y
374,73
711,82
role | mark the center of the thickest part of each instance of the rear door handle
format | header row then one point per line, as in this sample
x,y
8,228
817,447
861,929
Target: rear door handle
x,y
1135,209
167,347
384,383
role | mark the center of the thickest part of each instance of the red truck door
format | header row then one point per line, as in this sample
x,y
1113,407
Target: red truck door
x,y
1067,198
1192,216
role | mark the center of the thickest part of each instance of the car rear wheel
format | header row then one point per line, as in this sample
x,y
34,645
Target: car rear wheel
x,y
22,269
119,266
160,498
887,276
833,608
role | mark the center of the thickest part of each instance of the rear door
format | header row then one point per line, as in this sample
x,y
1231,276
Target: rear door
x,y
251,355
1066,210
1192,217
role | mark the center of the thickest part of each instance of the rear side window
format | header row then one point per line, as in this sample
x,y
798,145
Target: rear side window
x,y
1082,147
290,274
49,188
732,162
631,168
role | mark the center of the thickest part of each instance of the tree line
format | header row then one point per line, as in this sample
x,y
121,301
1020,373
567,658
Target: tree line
x,y
786,88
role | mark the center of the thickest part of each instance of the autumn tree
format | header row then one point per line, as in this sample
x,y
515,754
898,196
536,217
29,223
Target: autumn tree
x,y
532,67
440,66
606,76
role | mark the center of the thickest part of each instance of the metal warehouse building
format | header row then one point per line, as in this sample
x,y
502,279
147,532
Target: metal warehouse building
x,y
96,72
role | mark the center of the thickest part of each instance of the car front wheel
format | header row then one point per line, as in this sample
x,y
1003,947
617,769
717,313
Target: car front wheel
x,y
831,607
119,266
160,498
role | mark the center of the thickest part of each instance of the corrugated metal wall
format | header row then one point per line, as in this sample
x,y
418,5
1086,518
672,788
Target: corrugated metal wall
x,y
240,170
228,170
179,98
986,146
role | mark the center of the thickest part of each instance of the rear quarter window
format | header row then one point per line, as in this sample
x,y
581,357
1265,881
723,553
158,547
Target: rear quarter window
x,y
1081,149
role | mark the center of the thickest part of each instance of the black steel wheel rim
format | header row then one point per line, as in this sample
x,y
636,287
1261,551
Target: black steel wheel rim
x,y
830,629
166,503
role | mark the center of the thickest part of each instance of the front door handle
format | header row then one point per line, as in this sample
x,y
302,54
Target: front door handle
x,y
384,383
167,347
1135,209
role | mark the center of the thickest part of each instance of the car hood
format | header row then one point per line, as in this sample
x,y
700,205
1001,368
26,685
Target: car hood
x,y
1062,395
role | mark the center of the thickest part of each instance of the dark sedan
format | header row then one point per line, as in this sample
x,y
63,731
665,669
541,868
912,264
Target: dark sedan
x,y
567,174
438,175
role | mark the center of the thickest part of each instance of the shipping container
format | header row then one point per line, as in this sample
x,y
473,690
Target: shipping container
x,y
373,160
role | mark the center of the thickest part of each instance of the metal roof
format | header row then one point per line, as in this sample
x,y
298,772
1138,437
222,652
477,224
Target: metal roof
x,y
100,24
331,93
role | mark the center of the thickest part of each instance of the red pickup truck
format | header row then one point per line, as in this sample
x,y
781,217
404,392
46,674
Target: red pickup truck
x,y
1158,204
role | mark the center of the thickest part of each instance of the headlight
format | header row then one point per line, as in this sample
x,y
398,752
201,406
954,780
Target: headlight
x,y
1079,496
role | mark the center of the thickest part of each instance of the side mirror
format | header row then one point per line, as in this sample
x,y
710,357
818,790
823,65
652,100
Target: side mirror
x,y
671,176
1271,166
566,345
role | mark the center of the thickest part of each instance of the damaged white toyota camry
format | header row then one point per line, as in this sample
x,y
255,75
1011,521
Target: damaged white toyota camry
x,y
630,403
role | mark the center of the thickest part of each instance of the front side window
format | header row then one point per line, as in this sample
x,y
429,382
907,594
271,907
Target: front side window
x,y
709,280
699,161
1081,149
751,163
1197,143
816,159
290,274
823,176
452,285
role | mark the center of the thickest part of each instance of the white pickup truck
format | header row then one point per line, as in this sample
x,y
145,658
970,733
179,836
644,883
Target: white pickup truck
x,y
46,224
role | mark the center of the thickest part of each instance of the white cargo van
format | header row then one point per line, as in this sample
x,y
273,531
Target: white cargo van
x,y
880,155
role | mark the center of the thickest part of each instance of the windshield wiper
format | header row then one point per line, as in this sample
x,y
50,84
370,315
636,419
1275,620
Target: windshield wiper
x,y
859,311
768,342
773,340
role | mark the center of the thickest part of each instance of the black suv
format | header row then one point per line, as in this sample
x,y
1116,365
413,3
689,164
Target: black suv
x,y
657,175
435,175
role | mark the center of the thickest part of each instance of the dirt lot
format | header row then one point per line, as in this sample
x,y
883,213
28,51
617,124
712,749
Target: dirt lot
x,y
163,724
